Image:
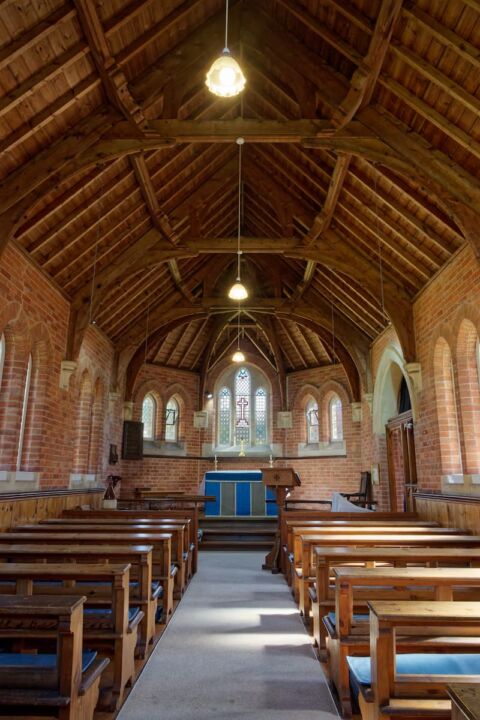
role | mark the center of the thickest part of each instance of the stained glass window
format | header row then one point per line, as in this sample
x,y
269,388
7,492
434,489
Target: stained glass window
x,y
171,421
336,422
242,406
311,412
261,416
149,409
224,416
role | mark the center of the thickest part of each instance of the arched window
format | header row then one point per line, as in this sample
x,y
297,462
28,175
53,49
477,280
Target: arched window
x,y
336,422
242,406
447,410
311,415
149,411
2,356
171,421
224,417
243,409
261,417
23,423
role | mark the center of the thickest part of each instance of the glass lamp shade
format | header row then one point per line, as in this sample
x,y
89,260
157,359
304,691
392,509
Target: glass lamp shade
x,y
238,292
225,77
238,356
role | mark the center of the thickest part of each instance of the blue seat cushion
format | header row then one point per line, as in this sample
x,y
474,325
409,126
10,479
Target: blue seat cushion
x,y
357,617
185,556
11,663
419,664
159,614
102,617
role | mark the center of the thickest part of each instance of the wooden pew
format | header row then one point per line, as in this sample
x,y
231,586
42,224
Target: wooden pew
x,y
294,531
147,515
465,701
160,543
328,558
138,556
410,692
304,546
174,578
114,634
66,683
348,631
328,516
140,524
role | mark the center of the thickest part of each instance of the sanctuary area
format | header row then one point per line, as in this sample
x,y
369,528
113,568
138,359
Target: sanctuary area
x,y
240,359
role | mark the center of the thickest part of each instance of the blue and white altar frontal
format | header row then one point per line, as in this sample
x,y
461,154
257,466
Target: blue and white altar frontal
x,y
238,493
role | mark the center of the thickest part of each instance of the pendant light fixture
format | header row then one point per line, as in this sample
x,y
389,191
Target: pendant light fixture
x,y
225,77
238,291
238,356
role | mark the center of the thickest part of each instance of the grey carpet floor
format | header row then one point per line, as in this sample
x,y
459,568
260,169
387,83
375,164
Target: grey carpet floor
x,y
235,648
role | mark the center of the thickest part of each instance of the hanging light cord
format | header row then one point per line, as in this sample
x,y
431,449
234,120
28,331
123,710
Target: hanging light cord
x,y
146,334
239,218
238,328
92,289
226,25
379,246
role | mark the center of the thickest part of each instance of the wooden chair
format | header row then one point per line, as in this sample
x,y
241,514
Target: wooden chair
x,y
364,497
64,683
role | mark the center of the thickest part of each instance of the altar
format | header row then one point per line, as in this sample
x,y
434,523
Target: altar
x,y
238,493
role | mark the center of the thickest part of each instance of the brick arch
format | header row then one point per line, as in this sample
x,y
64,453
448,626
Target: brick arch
x,y
446,403
38,398
469,393
302,397
185,408
14,327
144,388
390,372
83,422
97,427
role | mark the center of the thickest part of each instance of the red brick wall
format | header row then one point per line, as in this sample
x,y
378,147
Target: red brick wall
x,y
447,313
34,319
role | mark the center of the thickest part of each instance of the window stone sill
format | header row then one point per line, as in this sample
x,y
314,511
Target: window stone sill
x,y
335,449
18,481
156,447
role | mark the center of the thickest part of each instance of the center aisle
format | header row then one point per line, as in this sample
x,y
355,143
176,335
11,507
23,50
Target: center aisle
x,y
235,649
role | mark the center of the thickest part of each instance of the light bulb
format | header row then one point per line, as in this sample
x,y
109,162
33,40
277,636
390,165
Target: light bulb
x,y
225,77
238,356
238,292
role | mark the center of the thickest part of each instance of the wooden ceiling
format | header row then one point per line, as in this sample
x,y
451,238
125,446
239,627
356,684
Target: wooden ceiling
x,y
119,171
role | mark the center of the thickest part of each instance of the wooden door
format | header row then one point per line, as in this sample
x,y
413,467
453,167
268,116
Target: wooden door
x,y
402,467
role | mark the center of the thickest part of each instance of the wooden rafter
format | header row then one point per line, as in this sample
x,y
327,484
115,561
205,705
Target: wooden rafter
x,y
324,218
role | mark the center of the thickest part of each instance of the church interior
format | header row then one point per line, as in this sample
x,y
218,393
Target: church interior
x,y
240,359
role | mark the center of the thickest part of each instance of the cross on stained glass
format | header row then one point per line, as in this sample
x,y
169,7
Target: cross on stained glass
x,y
242,403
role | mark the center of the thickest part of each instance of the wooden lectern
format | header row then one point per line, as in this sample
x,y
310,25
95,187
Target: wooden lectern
x,y
282,480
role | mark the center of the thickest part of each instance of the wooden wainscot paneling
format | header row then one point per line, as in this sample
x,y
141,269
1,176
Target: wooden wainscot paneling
x,y
17,508
459,511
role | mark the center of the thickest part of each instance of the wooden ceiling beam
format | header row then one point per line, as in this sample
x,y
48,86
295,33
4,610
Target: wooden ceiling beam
x,y
193,342
364,79
443,34
35,35
42,77
113,79
324,218
292,345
